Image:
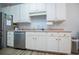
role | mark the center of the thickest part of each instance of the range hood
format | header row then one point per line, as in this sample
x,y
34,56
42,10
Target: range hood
x,y
37,13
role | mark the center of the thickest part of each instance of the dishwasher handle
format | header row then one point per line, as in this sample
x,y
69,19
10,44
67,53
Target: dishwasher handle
x,y
19,33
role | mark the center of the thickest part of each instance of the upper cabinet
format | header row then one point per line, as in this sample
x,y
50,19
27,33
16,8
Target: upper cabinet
x,y
24,14
37,7
61,11
56,11
50,8
15,11
6,10
20,12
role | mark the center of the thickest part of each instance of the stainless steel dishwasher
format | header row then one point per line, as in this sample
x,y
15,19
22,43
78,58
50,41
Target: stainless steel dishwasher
x,y
19,39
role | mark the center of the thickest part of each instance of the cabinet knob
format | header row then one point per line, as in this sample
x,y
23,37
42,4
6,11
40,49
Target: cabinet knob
x,y
64,34
51,34
59,39
56,39
34,38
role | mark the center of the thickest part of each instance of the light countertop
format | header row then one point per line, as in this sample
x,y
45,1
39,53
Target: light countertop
x,y
41,30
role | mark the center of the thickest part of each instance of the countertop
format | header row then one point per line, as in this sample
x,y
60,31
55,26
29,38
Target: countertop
x,y
75,40
42,31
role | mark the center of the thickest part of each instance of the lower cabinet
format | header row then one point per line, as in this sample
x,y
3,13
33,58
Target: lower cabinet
x,y
59,44
45,41
64,44
41,41
10,38
30,42
36,41
52,44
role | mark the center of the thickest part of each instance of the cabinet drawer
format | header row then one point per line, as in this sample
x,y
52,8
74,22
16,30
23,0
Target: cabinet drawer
x,y
52,34
10,41
10,44
9,33
10,38
65,34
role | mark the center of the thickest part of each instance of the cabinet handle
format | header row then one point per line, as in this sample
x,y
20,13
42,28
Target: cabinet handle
x,y
59,39
64,34
34,38
51,34
56,39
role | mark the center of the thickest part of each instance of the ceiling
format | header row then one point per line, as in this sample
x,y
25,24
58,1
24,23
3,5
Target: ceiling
x,y
8,4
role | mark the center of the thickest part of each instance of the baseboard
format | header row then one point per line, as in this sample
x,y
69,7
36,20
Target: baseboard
x,y
52,52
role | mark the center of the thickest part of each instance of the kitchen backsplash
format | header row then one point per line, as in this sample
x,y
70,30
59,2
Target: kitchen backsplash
x,y
38,22
24,26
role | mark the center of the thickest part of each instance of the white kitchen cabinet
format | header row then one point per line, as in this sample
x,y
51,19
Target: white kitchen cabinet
x,y
37,7
56,11
24,13
61,11
6,10
36,41
52,44
31,40
49,41
41,41
20,12
15,11
50,8
59,42
10,38
64,45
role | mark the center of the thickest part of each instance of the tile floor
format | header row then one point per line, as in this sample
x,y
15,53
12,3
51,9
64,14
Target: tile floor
x,y
12,51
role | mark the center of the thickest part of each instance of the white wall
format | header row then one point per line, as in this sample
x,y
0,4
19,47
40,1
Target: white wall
x,y
24,26
72,22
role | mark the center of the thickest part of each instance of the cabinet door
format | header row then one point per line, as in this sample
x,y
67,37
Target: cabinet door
x,y
37,7
15,11
61,11
65,44
10,39
6,10
24,13
56,11
31,40
36,41
50,8
52,44
41,41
